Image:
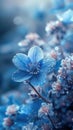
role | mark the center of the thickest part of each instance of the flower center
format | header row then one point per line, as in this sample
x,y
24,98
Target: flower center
x,y
34,68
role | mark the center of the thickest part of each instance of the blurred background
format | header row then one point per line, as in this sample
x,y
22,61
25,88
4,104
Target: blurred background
x,y
17,19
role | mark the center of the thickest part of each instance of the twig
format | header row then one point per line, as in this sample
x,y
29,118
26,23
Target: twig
x,y
44,99
51,121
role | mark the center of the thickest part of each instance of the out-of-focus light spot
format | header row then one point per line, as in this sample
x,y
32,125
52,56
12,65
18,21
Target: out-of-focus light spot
x,y
18,20
56,48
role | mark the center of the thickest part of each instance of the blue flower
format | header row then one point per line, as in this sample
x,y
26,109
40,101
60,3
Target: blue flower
x,y
66,17
57,4
33,67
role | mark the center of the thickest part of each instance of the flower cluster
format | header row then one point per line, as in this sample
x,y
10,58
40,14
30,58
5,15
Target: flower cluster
x,y
62,91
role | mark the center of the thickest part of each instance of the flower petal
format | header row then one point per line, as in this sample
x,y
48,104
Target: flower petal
x,y
35,54
20,76
66,17
38,80
47,65
21,61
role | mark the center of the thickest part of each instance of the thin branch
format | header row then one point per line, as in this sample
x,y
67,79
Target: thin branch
x,y
51,121
44,99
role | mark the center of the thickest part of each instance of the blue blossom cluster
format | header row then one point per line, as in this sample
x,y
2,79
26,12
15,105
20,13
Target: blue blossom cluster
x,y
62,92
44,72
